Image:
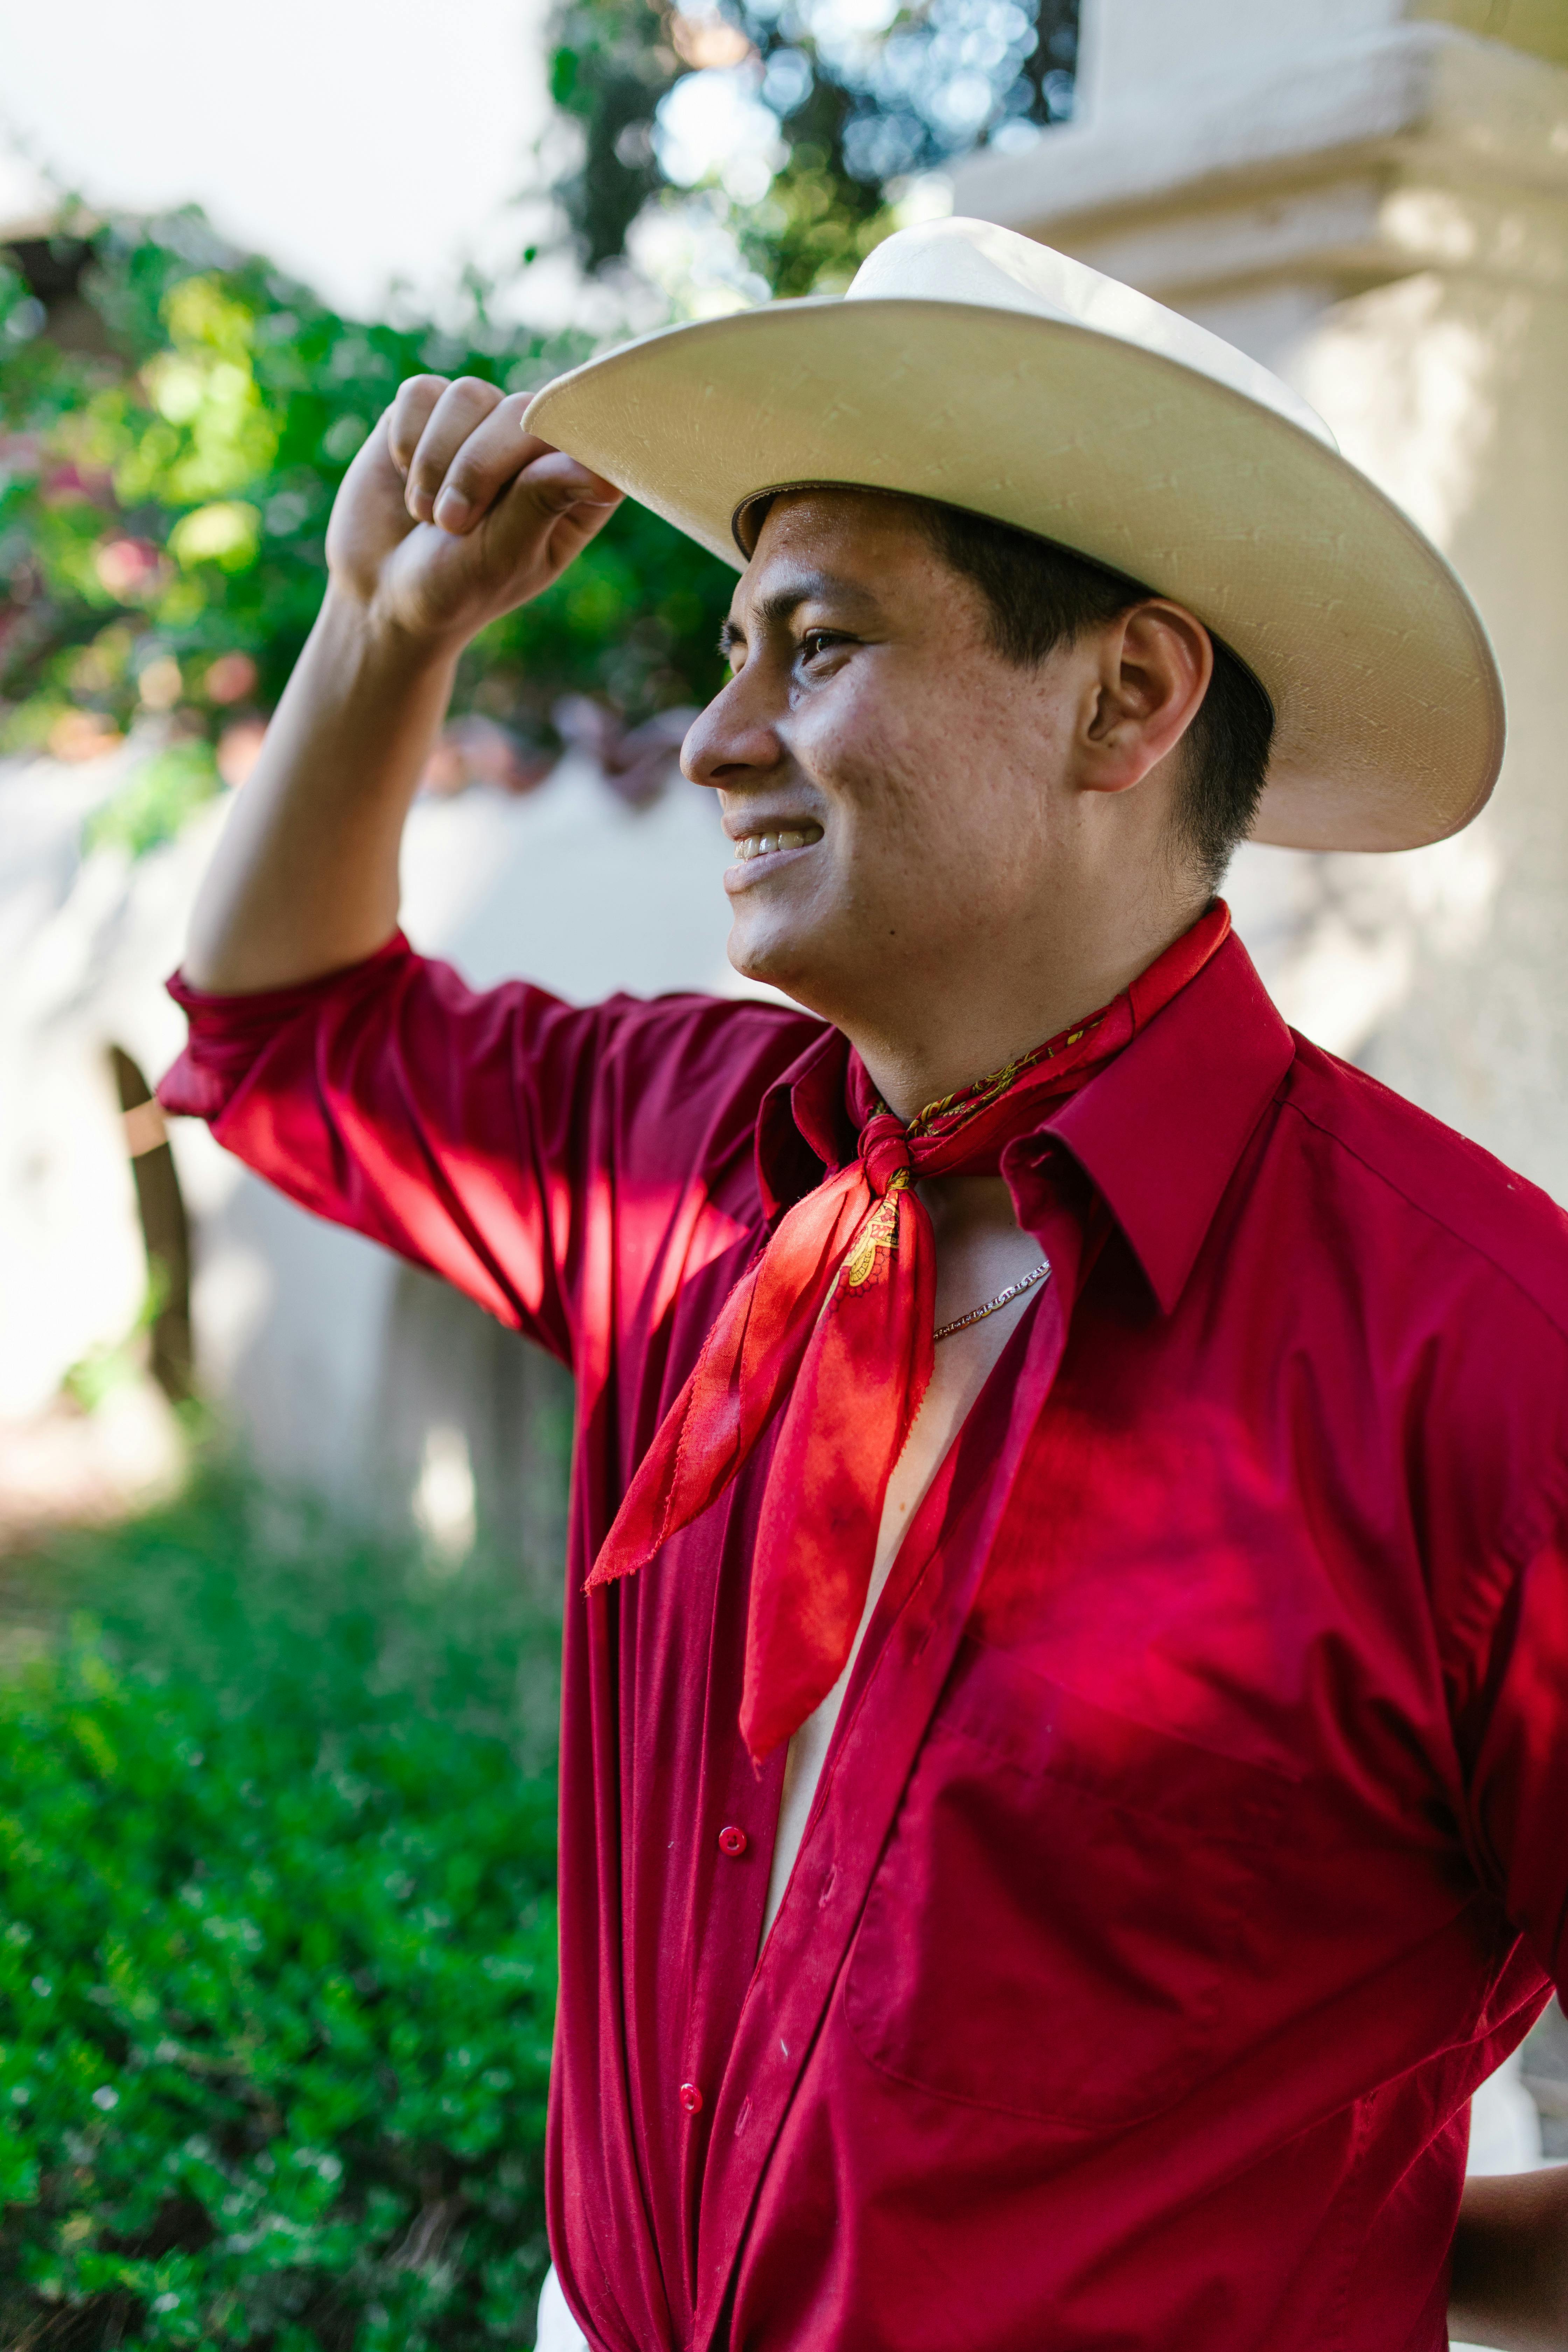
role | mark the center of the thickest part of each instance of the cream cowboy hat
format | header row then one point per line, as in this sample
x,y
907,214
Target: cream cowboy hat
x,y
970,365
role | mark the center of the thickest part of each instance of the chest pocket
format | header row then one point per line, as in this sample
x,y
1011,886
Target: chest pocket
x,y
1062,1904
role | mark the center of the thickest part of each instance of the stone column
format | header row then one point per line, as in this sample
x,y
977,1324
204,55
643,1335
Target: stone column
x,y
1372,197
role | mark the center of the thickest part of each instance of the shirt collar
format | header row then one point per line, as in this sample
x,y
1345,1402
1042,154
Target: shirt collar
x,y
804,1128
1158,1131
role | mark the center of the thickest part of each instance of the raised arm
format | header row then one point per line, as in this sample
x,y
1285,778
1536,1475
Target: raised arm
x,y
449,517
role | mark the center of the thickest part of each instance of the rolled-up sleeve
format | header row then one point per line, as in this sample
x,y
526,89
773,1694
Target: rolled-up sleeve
x,y
470,1130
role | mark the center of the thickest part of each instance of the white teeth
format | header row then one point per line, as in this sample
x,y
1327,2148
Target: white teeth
x,y
760,844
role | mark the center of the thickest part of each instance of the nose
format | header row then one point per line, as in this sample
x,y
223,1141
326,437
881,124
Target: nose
x,y
735,741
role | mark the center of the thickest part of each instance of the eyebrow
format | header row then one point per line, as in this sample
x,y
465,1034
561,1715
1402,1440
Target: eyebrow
x,y
780,606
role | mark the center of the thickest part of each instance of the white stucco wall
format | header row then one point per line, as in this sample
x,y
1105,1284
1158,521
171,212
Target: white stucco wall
x,y
1373,199
294,1319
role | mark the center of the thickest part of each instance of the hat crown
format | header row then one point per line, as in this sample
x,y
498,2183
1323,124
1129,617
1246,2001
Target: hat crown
x,y
974,261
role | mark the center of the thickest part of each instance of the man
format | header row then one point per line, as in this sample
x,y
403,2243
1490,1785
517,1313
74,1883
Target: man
x,y
1063,1772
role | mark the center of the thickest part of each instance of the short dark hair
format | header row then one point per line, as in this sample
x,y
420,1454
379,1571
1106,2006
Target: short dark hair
x,y
1042,595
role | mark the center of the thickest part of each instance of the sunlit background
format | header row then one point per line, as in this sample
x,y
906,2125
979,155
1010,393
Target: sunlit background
x,y
280,1520
358,145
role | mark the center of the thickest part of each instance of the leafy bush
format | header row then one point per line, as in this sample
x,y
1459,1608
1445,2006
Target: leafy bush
x,y
175,419
169,455
277,1944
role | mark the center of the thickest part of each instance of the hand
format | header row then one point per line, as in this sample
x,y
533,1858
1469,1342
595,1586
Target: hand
x,y
451,514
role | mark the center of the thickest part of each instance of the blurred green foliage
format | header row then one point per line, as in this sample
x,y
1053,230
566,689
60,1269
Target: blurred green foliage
x,y
174,430
156,799
863,99
277,1942
166,473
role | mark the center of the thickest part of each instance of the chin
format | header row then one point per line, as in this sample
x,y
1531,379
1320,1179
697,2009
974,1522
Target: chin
x,y
773,956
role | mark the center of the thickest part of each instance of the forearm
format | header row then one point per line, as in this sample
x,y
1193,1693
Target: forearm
x,y
304,879
1510,2284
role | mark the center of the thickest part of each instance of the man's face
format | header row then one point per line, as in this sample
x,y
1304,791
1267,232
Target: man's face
x,y
884,773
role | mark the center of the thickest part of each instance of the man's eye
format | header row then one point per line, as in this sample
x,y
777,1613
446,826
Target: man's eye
x,y
817,641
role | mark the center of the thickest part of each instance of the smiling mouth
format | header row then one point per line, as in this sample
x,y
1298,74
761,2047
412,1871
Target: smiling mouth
x,y
764,845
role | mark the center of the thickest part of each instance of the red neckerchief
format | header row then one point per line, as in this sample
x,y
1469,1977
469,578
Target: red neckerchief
x,y
838,1315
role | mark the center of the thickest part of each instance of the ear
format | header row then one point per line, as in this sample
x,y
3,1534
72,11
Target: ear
x,y
1154,668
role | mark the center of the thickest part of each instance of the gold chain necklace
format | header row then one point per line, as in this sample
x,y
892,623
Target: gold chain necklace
x,y
1003,1297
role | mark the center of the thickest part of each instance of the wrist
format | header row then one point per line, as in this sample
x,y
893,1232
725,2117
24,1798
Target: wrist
x,y
376,644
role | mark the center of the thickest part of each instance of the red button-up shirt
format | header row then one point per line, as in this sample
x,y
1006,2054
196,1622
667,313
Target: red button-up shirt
x,y
1194,1836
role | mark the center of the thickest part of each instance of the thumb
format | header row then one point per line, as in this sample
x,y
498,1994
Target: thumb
x,y
555,482
548,515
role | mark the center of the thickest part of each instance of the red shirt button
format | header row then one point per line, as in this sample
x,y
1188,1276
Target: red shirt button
x,y
731,1839
690,2099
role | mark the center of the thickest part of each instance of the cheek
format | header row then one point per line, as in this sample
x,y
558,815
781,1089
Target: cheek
x,y
943,804
882,767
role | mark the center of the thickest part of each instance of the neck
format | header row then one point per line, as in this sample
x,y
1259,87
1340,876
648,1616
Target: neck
x,y
932,1044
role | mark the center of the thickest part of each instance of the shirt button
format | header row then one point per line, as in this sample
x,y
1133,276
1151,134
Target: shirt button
x,y
691,2098
731,1839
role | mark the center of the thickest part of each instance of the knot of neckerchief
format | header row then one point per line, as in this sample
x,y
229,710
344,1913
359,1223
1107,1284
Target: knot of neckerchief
x,y
834,1322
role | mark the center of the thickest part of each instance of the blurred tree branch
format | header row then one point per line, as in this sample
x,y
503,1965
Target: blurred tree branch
x,y
861,107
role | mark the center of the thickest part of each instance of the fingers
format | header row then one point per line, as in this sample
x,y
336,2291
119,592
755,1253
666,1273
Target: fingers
x,y
548,513
460,410
409,415
460,446
488,458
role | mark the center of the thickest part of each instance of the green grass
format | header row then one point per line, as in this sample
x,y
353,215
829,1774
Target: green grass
x,y
277,1941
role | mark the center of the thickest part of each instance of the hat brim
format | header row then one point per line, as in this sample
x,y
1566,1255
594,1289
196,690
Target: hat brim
x,y
1388,708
